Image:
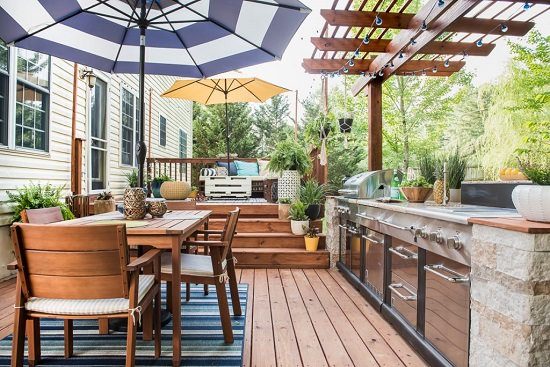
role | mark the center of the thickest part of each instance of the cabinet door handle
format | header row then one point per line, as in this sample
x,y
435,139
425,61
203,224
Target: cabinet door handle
x,y
343,227
367,217
394,288
399,251
373,240
409,229
456,278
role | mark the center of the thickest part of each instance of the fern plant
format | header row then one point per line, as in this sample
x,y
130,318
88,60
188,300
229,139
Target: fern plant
x,y
289,155
37,196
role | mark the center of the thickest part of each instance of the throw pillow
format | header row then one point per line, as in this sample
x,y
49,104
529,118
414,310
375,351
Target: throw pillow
x,y
247,168
208,172
264,171
221,171
232,168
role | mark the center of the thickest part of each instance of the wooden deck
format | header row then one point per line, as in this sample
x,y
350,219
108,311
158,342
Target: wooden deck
x,y
310,317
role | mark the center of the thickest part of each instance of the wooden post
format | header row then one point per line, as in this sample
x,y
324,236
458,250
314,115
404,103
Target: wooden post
x,y
375,125
75,185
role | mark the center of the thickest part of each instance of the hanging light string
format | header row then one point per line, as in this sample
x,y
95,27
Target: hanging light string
x,y
423,27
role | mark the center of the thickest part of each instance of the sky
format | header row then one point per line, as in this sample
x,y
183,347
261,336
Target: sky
x,y
290,74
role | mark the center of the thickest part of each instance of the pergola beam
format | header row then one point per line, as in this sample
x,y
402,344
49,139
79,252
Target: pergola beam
x,y
438,19
318,66
379,45
355,18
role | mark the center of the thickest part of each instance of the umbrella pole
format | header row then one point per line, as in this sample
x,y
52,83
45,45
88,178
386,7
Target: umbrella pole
x,y
141,147
227,135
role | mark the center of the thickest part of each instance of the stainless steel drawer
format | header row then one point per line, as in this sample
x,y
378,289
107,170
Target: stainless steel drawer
x,y
404,298
404,261
374,261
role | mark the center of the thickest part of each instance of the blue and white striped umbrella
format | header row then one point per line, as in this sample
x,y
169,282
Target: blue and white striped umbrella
x,y
191,38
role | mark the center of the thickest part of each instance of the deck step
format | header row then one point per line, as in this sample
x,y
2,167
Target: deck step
x,y
272,240
280,258
257,225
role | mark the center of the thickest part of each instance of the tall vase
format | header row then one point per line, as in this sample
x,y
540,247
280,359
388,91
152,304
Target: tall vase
x,y
134,203
289,185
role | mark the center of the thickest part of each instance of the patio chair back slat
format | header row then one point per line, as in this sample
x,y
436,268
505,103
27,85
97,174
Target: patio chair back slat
x,y
229,230
64,262
42,216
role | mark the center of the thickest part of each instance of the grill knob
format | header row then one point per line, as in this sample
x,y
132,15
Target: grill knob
x,y
454,242
437,237
421,232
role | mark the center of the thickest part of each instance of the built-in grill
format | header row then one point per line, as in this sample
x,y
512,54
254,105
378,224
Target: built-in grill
x,y
368,185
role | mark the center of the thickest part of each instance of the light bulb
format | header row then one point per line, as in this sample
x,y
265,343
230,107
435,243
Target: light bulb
x,y
378,20
381,72
366,40
526,6
351,63
346,70
413,42
503,28
446,63
391,64
423,72
440,3
434,69
479,42
424,25
356,53
400,54
362,73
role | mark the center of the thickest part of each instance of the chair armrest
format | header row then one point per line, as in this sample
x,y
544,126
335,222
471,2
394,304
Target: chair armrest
x,y
143,260
205,243
12,265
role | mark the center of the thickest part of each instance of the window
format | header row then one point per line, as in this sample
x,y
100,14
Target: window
x,y
4,87
183,144
130,127
162,131
32,100
98,136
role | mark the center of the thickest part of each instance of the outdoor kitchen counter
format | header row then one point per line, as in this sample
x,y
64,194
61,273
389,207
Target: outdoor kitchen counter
x,y
513,224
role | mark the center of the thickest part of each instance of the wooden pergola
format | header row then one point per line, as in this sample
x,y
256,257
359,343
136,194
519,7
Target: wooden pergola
x,y
381,38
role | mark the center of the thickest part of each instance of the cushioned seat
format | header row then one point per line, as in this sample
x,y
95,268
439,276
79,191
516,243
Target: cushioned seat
x,y
88,306
197,265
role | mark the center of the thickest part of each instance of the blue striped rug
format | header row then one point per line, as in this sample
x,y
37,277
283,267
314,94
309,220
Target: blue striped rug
x,y
202,338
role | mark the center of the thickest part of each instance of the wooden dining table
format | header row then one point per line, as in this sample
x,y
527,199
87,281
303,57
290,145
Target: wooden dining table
x,y
166,233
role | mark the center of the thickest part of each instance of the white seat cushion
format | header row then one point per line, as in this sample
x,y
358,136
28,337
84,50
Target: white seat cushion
x,y
88,306
198,265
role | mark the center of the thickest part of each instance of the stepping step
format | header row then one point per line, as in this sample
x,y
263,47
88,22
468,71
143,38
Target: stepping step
x,y
280,258
272,240
258,225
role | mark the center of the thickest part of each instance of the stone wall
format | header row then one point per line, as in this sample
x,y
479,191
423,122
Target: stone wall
x,y
333,232
510,304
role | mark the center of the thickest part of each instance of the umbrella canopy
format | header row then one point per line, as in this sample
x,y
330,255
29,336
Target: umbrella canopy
x,y
191,38
224,90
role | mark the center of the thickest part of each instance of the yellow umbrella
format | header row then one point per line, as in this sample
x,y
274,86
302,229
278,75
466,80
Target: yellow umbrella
x,y
224,90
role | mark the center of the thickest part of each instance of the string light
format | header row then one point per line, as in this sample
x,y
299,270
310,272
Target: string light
x,y
346,70
441,3
503,28
391,64
479,42
413,42
366,40
434,69
526,6
446,63
400,54
381,72
362,73
378,20
423,72
424,25
351,63
356,53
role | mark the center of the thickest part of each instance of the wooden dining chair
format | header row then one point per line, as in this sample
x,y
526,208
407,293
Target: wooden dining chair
x,y
42,216
72,272
214,269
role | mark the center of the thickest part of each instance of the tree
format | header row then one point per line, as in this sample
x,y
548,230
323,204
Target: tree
x,y
271,123
209,130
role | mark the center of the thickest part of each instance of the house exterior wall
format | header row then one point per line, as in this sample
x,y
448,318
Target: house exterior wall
x,y
18,167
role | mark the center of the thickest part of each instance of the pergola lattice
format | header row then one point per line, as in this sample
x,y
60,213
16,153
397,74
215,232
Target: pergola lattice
x,y
381,38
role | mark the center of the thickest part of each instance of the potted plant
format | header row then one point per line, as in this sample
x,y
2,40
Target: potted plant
x,y
134,198
531,201
157,182
456,172
416,191
37,197
283,208
311,239
291,160
132,178
104,203
299,222
345,124
313,194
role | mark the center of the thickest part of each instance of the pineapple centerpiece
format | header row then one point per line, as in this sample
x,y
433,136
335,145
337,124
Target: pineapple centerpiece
x,y
439,189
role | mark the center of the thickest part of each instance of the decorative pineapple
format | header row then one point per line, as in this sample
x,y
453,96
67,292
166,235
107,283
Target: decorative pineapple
x,y
439,193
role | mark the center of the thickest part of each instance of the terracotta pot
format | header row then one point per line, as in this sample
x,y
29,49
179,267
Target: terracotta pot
x,y
416,194
312,243
175,190
104,206
299,227
282,211
531,201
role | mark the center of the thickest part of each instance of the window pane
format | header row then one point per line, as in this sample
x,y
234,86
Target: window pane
x,y
30,115
128,129
183,144
33,67
3,56
162,131
99,110
99,158
3,108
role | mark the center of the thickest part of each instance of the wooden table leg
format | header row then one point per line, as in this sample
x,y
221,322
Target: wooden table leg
x,y
176,301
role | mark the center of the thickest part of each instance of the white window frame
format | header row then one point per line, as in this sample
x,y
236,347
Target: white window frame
x,y
134,93
12,104
89,135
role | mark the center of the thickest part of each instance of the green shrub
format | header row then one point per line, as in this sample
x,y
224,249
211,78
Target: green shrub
x,y
37,197
289,155
312,192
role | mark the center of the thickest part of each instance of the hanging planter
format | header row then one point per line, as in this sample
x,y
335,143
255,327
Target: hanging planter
x,y
345,125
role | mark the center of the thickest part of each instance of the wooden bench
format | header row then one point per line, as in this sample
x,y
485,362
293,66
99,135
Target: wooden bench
x,y
228,187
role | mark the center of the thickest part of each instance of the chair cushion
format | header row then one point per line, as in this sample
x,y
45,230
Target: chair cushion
x,y
247,168
88,306
194,265
231,168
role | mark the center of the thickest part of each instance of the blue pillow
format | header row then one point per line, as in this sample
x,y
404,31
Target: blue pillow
x,y
247,168
232,169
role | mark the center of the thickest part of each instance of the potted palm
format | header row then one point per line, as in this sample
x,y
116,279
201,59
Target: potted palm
x,y
311,239
456,172
299,222
157,182
312,193
283,208
104,203
291,160
416,191
531,201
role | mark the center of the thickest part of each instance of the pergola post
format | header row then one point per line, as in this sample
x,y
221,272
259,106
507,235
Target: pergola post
x,y
375,124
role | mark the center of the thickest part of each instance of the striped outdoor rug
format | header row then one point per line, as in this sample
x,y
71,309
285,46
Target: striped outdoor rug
x,y
202,339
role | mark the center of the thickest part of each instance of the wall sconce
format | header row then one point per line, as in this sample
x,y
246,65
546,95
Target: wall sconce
x,y
88,76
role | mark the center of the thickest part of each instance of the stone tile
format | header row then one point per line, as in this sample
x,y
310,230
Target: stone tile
x,y
503,237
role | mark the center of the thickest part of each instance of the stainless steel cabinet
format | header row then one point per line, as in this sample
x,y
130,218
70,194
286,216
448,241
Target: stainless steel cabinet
x,y
404,279
374,261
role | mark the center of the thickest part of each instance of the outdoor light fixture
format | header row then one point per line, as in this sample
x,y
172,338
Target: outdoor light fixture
x,y
503,28
88,76
378,20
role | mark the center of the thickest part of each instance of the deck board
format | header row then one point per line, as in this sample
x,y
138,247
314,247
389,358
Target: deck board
x,y
300,318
